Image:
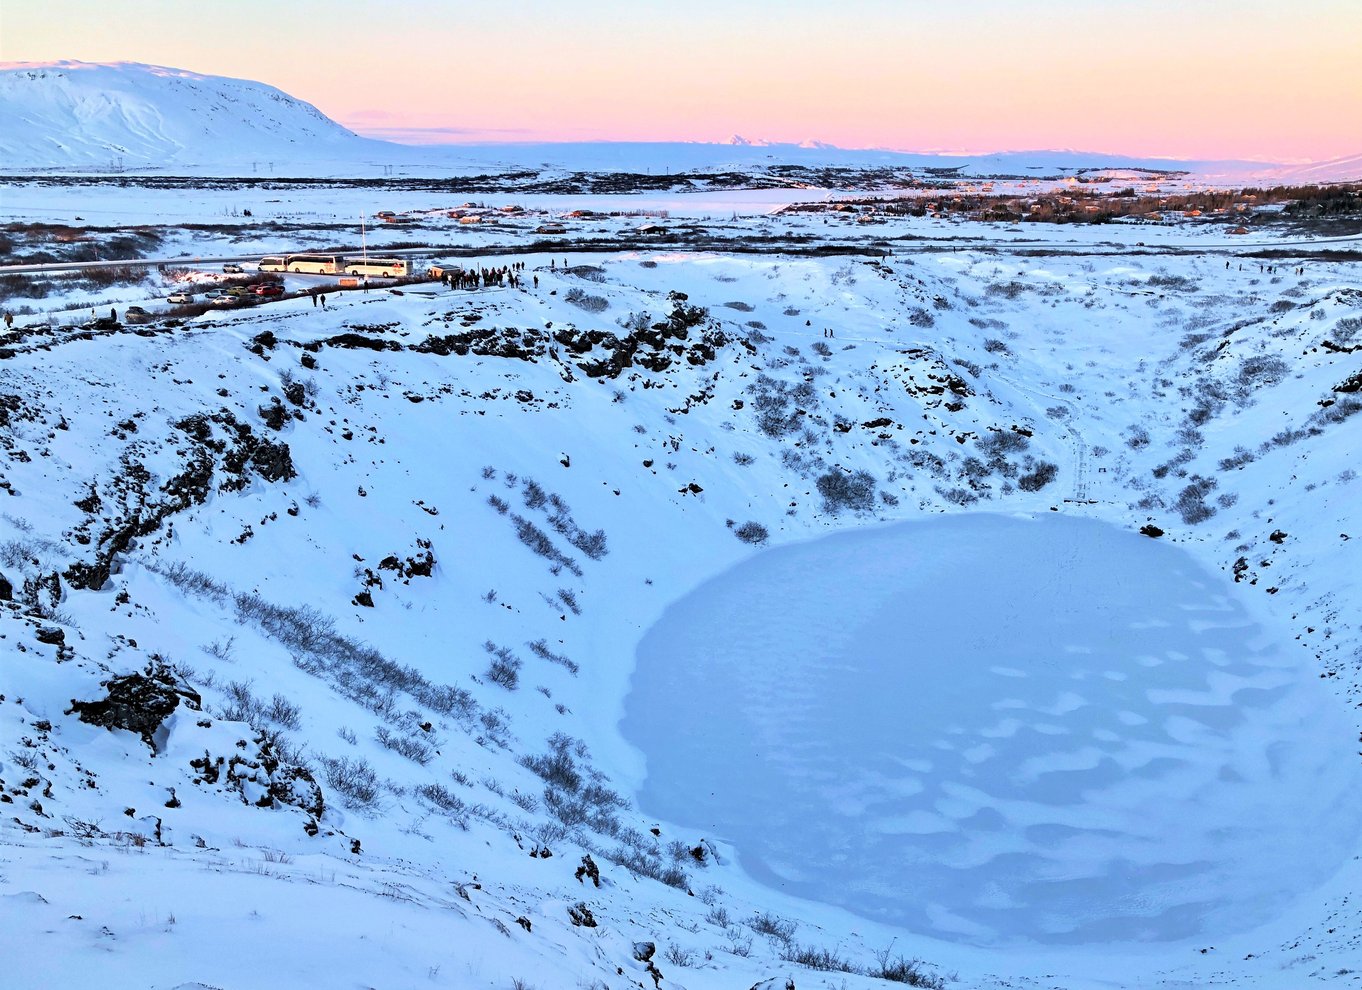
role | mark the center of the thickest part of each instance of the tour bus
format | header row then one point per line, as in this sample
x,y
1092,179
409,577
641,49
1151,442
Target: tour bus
x,y
390,267
314,264
274,264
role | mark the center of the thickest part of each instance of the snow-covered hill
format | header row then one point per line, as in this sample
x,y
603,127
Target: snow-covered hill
x,y
1346,169
324,621
124,115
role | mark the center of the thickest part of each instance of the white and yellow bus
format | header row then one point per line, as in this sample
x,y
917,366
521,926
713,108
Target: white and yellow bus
x,y
387,267
276,263
314,264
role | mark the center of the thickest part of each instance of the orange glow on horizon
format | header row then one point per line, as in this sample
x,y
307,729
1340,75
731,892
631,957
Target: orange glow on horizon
x,y
1247,79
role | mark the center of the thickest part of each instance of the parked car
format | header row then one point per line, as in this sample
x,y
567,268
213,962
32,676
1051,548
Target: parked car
x,y
232,269
179,297
224,300
137,311
236,290
269,289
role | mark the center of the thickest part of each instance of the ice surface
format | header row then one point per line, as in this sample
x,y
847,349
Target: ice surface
x,y
997,729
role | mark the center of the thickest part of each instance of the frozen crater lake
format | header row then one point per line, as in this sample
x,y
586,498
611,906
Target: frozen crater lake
x,y
996,730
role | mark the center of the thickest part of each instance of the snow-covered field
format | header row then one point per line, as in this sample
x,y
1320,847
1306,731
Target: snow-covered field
x,y
398,568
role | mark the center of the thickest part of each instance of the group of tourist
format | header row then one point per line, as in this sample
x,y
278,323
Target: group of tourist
x,y
486,278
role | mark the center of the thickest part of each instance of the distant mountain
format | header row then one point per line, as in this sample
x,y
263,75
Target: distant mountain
x,y
1335,170
125,116
134,116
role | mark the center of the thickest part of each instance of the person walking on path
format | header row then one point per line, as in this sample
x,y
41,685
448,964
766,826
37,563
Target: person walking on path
x,y
9,319
323,298
314,299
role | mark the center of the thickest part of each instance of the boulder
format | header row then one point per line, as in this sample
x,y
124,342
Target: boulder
x,y
139,703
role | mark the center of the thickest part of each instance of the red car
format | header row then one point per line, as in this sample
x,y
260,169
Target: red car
x,y
269,289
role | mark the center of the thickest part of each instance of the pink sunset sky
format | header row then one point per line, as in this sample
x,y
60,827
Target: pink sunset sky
x,y
1205,79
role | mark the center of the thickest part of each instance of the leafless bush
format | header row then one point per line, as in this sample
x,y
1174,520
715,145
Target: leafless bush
x,y
853,490
504,668
569,598
355,780
284,713
540,543
1038,478
413,748
752,532
773,926
897,969
586,301
640,863
678,956
540,648
814,957
1191,501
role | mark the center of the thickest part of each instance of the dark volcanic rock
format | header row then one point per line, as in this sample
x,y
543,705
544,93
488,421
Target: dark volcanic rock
x,y
138,702
51,635
274,461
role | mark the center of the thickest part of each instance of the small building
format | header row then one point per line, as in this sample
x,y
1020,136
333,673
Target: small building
x,y
550,228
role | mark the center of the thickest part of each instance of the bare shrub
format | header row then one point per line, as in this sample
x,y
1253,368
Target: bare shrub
x,y
1191,501
922,318
283,712
898,969
586,301
504,668
814,957
678,956
540,648
752,532
1035,480
853,490
441,797
355,780
773,926
413,748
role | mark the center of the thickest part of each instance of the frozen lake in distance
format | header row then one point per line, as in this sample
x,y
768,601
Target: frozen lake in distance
x,y
997,730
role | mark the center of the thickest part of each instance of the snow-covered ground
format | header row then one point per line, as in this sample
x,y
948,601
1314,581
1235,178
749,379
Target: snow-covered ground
x,y
418,555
